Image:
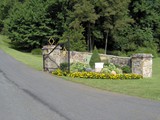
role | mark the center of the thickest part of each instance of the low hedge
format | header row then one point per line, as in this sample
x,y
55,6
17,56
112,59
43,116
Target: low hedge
x,y
94,75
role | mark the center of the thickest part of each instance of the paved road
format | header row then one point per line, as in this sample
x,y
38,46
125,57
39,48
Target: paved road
x,y
26,94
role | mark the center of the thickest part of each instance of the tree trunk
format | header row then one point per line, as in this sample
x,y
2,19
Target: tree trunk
x,y
89,42
106,43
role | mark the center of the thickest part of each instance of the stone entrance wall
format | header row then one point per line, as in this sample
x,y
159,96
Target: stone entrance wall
x,y
84,57
140,63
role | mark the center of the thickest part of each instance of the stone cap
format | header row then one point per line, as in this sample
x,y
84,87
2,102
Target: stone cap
x,y
142,55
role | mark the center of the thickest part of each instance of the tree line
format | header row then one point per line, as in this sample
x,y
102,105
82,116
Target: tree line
x,y
119,26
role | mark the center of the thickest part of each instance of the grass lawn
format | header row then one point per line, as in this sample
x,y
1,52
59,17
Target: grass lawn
x,y
26,58
146,88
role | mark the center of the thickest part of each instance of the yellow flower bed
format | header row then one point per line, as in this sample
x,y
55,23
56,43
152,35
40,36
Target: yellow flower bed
x,y
94,75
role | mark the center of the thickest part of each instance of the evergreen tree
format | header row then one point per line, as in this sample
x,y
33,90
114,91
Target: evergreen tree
x,y
28,26
5,7
94,58
84,12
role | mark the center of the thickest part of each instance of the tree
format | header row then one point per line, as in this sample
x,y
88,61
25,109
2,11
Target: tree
x,y
5,7
94,58
84,12
28,26
146,14
113,17
74,33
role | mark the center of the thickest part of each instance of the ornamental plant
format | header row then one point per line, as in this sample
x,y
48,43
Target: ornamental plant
x,y
94,75
111,67
94,58
59,72
78,67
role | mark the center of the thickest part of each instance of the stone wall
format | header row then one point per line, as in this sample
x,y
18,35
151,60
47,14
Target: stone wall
x,y
58,56
84,57
140,63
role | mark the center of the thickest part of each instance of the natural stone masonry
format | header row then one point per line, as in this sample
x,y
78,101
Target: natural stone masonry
x,y
84,57
51,60
142,64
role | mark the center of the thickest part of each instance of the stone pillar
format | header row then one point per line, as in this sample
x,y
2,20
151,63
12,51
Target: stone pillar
x,y
142,64
51,58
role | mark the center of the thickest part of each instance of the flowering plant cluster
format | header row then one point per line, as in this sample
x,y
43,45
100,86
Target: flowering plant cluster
x,y
95,75
59,72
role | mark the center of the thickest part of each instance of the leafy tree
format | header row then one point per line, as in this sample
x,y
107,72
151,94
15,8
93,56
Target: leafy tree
x,y
113,18
28,26
84,12
5,7
123,25
74,33
146,14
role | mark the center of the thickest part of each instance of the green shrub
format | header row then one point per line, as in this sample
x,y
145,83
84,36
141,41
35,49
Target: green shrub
x,y
126,69
36,51
64,66
101,51
144,50
94,58
117,53
94,75
78,67
108,68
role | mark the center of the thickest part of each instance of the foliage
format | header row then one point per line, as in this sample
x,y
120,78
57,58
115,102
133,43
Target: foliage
x,y
146,15
101,51
117,53
94,58
147,50
74,32
27,25
113,25
36,51
87,19
111,67
5,7
59,72
94,75
64,66
126,69
78,67
144,50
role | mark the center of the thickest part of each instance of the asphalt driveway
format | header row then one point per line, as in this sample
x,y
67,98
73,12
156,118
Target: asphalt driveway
x,y
27,94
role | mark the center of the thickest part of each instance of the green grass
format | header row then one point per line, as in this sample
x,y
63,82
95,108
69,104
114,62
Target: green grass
x,y
146,88
33,61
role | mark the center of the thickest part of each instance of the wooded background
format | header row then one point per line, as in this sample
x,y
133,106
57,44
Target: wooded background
x,y
119,27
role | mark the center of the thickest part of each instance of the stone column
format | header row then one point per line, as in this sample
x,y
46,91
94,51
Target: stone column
x,y
51,59
142,64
